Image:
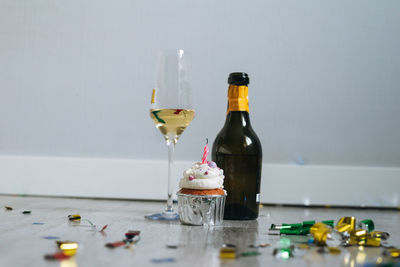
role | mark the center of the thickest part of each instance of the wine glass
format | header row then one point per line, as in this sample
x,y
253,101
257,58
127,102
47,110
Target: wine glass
x,y
171,110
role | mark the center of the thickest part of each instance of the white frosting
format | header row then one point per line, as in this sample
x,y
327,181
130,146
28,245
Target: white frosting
x,y
205,177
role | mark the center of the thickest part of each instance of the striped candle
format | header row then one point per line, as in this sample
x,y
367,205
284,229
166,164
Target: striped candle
x,y
205,154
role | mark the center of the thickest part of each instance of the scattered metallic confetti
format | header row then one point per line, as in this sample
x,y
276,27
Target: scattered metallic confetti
x,y
57,256
74,217
132,233
38,223
394,252
8,208
334,250
227,253
379,234
163,260
104,228
68,247
262,245
283,253
26,212
172,246
325,235
249,253
303,246
346,224
367,225
116,244
295,228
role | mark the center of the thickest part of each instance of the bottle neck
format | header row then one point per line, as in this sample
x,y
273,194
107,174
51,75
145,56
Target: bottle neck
x,y
238,118
238,99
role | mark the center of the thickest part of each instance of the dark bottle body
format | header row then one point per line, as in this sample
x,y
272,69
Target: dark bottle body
x,y
237,150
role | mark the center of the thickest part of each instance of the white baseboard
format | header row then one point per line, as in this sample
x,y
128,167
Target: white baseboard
x,y
146,179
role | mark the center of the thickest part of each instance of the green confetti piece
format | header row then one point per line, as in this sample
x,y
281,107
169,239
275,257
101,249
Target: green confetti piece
x,y
157,117
250,253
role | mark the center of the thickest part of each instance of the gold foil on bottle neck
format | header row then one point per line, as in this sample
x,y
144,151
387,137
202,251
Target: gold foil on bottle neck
x,y
238,98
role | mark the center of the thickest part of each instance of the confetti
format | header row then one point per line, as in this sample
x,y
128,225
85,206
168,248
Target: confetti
x,y
132,233
334,250
367,225
104,228
177,111
157,117
172,246
163,260
283,253
26,212
74,217
295,228
38,223
116,244
227,253
8,208
57,256
249,253
68,247
303,246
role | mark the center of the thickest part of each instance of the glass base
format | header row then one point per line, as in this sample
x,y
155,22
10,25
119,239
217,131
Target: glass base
x,y
164,216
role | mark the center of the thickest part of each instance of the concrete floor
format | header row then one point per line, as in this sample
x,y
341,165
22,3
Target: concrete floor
x,y
22,242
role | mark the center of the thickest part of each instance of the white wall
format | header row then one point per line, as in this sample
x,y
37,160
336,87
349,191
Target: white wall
x,y
76,76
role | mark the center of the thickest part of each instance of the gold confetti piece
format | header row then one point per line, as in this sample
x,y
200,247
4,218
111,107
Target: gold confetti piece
x,y
68,247
227,253
394,252
346,224
74,217
334,250
8,208
153,95
303,246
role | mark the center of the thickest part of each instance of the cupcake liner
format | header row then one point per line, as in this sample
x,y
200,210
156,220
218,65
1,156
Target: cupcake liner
x,y
201,209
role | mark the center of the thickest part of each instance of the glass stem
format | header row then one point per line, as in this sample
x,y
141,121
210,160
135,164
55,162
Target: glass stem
x,y
171,148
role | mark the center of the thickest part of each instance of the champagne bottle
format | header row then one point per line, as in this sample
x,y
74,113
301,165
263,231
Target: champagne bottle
x,y
237,150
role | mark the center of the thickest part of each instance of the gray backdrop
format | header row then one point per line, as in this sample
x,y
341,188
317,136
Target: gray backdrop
x,y
76,76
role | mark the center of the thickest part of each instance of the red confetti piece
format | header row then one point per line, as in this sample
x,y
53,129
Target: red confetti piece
x,y
104,228
177,111
116,244
57,256
132,234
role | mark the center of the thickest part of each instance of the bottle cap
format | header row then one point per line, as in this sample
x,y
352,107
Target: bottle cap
x,y
238,78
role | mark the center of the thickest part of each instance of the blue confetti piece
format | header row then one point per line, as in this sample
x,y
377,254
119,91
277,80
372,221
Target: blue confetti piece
x,y
163,260
38,223
50,237
310,241
160,217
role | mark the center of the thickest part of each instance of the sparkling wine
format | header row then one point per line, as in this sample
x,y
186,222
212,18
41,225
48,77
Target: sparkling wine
x,y
172,122
237,150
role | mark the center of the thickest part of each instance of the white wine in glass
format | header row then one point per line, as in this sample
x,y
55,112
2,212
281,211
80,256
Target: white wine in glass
x,y
172,111
172,122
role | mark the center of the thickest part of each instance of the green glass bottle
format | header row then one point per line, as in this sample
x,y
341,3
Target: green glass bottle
x,y
237,150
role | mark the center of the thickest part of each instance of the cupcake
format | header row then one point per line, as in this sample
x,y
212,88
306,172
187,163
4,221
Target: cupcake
x,y
201,200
